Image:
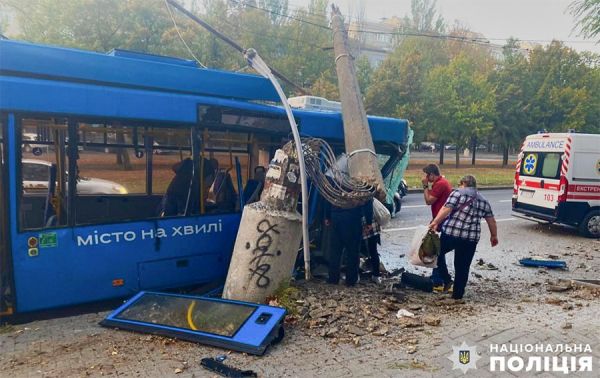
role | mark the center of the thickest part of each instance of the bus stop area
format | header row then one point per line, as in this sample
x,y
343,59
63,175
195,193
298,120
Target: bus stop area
x,y
336,331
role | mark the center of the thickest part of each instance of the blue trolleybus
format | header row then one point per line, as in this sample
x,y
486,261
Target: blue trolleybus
x,y
91,142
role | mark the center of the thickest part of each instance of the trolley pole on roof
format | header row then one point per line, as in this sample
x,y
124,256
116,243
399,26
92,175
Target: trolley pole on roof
x,y
362,160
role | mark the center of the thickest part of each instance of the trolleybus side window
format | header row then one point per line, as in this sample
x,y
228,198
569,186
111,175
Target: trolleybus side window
x,y
127,172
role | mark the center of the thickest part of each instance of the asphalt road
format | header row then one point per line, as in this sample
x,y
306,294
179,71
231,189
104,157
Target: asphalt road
x,y
398,234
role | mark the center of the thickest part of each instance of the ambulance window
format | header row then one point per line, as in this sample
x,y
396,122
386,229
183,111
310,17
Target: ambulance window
x,y
551,165
529,164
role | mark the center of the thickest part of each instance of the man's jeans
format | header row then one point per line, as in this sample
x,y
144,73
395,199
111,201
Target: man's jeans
x,y
464,250
346,235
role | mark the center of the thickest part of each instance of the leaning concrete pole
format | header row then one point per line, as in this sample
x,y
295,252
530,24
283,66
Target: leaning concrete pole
x,y
362,161
270,232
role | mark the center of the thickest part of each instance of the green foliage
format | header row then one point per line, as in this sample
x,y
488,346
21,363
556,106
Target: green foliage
x,y
286,296
587,13
460,102
561,96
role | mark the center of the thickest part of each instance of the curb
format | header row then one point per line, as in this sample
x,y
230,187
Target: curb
x,y
483,188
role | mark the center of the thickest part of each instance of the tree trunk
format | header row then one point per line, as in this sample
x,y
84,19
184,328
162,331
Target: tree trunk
x,y
473,149
442,153
505,155
457,151
123,160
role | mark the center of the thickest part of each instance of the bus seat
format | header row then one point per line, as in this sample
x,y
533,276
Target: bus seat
x,y
222,192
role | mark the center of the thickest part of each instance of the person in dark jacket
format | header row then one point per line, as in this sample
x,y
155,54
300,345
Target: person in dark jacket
x,y
346,230
371,237
223,193
183,193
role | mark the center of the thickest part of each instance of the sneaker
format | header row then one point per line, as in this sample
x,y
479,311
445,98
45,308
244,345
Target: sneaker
x,y
376,279
438,288
445,288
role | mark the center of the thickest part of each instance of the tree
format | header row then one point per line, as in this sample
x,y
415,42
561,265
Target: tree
x,y
364,73
423,17
560,94
512,121
587,14
460,102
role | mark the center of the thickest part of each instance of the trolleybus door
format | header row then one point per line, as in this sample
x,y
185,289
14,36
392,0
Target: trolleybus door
x,y
5,261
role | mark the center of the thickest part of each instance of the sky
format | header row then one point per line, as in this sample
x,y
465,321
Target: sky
x,y
540,20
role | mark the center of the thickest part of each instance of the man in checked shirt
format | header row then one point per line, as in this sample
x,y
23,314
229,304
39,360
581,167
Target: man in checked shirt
x,y
460,220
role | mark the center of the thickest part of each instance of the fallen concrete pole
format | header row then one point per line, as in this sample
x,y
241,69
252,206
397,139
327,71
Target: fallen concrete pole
x,y
269,236
362,161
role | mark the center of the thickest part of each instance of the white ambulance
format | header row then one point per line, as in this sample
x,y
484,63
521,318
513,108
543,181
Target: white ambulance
x,y
557,180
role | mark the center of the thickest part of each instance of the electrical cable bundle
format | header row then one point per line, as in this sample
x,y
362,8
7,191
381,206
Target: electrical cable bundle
x,y
330,175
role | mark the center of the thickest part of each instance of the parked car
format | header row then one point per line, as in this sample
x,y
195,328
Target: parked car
x,y
450,147
428,146
37,172
482,147
28,145
394,208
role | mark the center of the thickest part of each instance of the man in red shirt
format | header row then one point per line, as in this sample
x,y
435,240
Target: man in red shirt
x,y
436,190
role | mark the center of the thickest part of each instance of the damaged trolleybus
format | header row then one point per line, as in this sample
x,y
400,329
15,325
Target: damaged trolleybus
x,y
90,143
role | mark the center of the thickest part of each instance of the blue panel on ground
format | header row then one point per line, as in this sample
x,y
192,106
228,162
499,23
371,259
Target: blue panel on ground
x,y
242,326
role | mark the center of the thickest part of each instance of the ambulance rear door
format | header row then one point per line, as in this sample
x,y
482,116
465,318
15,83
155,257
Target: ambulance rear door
x,y
539,177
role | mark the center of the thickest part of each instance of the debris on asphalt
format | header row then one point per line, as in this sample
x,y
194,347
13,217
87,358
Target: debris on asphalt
x,y
557,287
485,266
432,320
224,370
402,313
555,301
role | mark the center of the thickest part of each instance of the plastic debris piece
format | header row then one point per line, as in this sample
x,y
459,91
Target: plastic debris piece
x,y
402,313
552,264
224,370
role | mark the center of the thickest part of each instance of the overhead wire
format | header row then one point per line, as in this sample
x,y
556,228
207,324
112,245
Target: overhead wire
x,y
474,40
181,37
280,14
273,37
231,42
